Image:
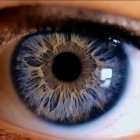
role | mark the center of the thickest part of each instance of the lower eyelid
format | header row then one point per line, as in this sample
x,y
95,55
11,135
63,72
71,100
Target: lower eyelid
x,y
5,134
8,131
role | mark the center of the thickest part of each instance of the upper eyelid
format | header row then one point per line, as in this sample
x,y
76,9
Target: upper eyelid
x,y
25,12
132,25
129,24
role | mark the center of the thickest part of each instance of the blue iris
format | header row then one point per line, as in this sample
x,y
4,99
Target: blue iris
x,y
69,78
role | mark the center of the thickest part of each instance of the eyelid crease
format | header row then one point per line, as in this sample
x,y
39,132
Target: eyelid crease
x,y
30,13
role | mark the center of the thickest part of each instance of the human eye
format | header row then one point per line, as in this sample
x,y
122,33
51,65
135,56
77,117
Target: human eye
x,y
93,100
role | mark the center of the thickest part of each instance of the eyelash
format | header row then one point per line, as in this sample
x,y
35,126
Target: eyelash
x,y
28,23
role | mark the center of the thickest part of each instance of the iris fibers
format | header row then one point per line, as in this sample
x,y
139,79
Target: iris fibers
x,y
69,78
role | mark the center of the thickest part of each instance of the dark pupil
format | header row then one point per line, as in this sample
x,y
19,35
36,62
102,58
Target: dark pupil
x,y
66,67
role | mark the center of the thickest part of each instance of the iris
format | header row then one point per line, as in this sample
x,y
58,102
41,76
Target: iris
x,y
69,78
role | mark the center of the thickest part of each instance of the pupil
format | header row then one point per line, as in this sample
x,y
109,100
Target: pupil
x,y
66,67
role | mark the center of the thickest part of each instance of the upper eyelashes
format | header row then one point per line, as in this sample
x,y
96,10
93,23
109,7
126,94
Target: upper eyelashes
x,y
26,19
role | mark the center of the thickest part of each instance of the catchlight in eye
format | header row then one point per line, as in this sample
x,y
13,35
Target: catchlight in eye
x,y
69,78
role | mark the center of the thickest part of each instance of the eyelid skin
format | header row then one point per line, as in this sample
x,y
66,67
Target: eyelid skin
x,y
136,30
12,132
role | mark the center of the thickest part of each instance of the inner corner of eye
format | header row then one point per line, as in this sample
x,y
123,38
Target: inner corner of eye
x,y
68,77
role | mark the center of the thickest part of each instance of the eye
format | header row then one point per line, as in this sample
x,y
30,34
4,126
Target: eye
x,y
67,74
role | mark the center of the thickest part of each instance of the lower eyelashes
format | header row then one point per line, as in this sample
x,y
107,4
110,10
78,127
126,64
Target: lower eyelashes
x,y
69,78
